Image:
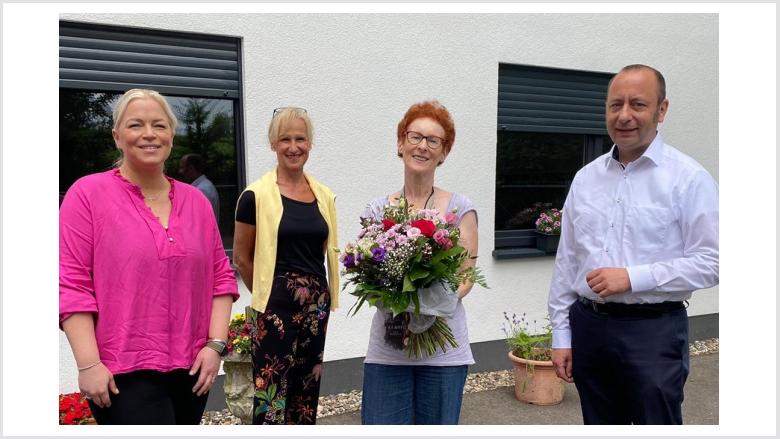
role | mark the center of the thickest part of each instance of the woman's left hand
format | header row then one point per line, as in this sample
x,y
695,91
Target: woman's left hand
x,y
207,363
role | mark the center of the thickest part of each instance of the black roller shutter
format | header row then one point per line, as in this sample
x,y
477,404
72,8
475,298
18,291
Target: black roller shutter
x,y
95,57
546,100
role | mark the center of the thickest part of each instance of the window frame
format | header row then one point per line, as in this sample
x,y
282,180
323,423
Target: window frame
x,y
521,243
150,34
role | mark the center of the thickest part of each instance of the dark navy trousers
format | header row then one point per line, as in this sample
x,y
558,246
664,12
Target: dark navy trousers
x,y
629,370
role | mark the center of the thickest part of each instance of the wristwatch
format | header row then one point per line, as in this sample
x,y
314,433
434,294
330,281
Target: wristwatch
x,y
220,346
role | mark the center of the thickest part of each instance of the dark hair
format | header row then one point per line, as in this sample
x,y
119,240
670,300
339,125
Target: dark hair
x,y
196,161
658,76
435,111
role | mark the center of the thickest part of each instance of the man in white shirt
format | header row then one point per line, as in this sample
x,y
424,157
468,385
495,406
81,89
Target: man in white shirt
x,y
191,167
639,234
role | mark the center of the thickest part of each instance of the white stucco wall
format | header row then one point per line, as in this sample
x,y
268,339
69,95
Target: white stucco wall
x,y
357,74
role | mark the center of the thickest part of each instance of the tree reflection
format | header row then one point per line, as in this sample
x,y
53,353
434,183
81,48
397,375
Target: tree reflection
x,y
86,145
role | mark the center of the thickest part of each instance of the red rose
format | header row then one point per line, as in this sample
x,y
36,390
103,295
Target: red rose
x,y
426,227
387,223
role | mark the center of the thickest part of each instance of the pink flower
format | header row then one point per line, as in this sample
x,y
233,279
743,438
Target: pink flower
x,y
413,232
440,236
450,218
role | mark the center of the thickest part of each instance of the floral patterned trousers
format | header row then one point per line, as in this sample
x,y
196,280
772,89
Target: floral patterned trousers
x,y
288,340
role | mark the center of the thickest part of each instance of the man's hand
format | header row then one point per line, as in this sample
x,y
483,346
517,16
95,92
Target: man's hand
x,y
608,281
561,359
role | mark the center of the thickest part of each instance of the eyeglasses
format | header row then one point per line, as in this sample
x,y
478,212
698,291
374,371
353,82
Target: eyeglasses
x,y
415,138
280,109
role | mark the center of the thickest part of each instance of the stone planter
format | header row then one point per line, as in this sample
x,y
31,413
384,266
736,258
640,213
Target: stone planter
x,y
239,386
547,243
536,382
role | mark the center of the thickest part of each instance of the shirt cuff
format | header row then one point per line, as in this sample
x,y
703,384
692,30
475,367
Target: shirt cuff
x,y
641,278
561,339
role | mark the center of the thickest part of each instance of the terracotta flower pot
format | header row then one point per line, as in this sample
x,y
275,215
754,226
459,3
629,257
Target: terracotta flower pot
x,y
536,382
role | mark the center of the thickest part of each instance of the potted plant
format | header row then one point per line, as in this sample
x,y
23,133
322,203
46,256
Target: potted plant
x,y
531,356
239,385
548,229
74,410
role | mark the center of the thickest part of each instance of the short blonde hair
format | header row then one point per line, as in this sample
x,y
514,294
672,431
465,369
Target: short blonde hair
x,y
283,117
140,93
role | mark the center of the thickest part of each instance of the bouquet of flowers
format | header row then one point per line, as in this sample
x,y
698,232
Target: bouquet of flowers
x,y
74,409
409,263
239,340
549,222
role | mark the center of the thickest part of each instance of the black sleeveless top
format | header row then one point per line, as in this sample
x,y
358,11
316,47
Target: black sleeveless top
x,y
301,238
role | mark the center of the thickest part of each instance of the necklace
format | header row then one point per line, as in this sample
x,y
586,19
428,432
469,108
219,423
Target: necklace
x,y
152,197
425,206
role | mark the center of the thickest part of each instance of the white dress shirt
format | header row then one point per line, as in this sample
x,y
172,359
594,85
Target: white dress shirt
x,y
210,191
658,218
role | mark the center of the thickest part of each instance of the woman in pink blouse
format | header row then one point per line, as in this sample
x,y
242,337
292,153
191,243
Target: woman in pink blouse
x,y
146,288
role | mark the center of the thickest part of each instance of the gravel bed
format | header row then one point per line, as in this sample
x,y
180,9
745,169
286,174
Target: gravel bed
x,y
476,382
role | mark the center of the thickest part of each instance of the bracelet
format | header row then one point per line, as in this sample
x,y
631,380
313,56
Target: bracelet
x,y
218,346
82,369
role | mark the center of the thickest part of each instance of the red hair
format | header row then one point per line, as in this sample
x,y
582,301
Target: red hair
x,y
435,111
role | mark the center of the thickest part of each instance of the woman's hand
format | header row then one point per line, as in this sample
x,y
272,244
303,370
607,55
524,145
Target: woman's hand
x,y
95,383
207,362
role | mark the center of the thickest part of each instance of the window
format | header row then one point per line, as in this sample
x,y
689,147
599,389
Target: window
x,y
198,74
550,124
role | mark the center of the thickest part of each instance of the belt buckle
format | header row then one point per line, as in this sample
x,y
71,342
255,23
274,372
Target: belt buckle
x,y
593,304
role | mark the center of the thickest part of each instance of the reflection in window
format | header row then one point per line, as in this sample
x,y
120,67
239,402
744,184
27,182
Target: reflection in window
x,y
206,127
534,172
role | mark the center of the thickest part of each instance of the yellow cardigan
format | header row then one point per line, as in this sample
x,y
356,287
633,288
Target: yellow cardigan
x,y
268,207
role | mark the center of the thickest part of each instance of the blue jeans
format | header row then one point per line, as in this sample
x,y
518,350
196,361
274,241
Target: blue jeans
x,y
404,395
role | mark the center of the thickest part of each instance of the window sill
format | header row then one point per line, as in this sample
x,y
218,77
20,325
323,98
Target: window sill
x,y
519,252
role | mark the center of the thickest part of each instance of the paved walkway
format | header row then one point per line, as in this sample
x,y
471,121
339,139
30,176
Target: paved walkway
x,y
499,406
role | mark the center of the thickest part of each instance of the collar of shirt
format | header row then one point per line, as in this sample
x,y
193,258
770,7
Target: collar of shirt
x,y
199,180
654,152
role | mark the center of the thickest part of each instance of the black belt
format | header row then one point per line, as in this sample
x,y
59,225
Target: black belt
x,y
646,310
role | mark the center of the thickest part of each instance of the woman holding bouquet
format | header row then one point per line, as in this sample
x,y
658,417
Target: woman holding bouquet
x,y
145,285
285,227
397,388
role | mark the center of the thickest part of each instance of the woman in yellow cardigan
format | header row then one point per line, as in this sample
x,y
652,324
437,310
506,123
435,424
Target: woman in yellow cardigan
x,y
285,229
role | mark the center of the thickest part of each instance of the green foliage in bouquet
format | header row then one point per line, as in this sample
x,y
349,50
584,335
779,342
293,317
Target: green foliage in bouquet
x,y
407,250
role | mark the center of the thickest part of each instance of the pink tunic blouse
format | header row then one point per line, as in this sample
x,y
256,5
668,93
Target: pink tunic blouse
x,y
149,288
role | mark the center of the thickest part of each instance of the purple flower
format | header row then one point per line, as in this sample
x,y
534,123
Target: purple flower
x,y
349,261
378,254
